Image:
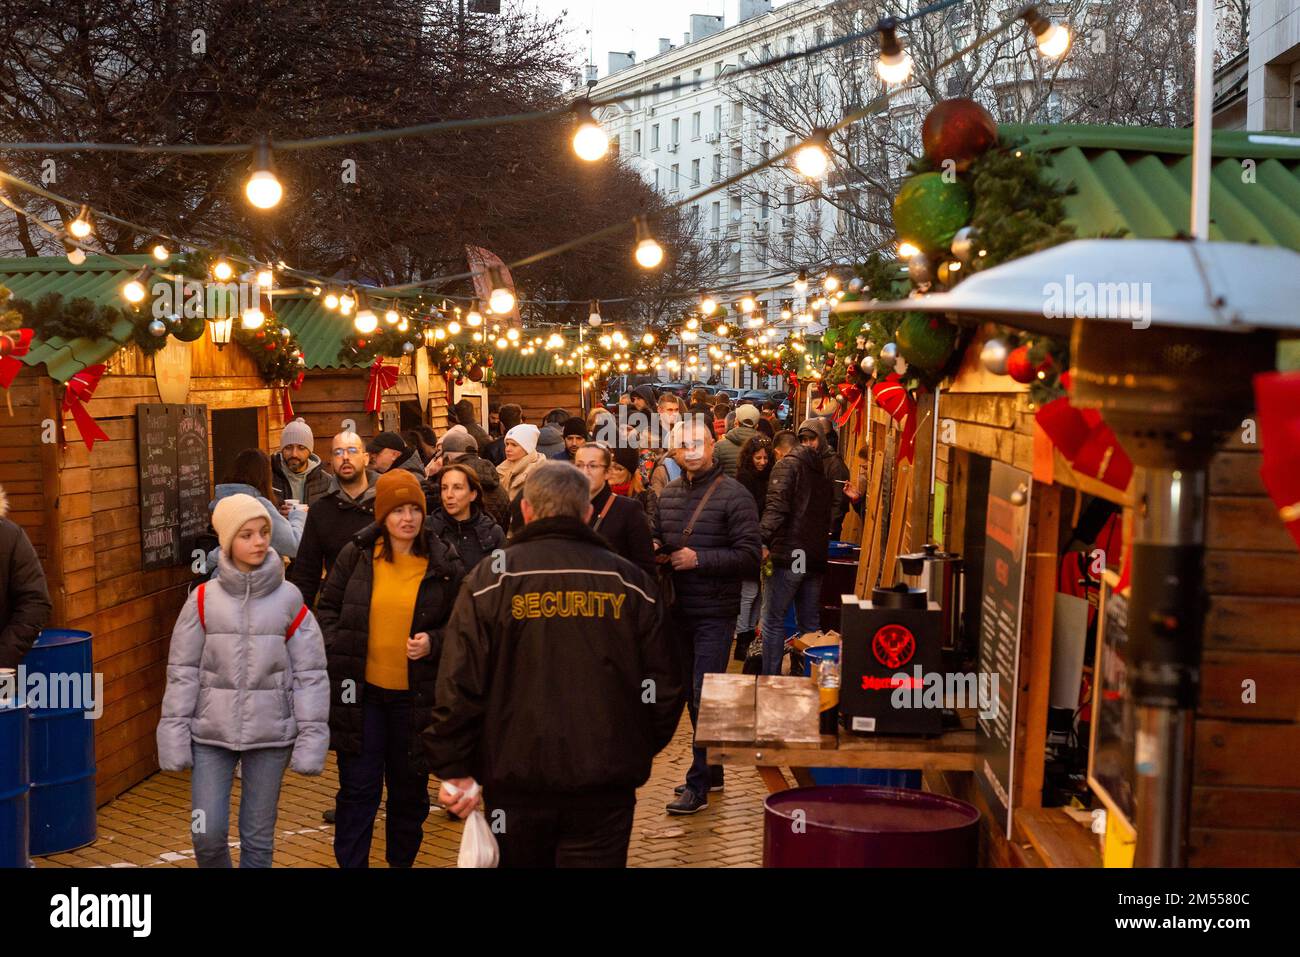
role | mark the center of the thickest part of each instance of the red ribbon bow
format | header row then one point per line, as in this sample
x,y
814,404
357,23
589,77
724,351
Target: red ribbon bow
x,y
1088,443
286,406
382,377
81,388
852,401
891,396
9,365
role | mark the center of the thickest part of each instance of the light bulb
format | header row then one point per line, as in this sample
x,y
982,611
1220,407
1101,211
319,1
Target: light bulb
x,y
895,63
440,334
331,301
1053,38
453,327
80,227
801,283
501,301
391,317
160,252
265,279
907,250
252,318
133,291
403,325
76,256
263,189
474,317
365,321
692,323
593,313
347,304
748,304
590,141
605,342
649,253
648,339
708,305
722,329
512,334
222,271
830,284
503,343
811,159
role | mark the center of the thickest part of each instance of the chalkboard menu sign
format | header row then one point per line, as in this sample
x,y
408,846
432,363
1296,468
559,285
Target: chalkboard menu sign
x,y
172,451
1007,535
1111,772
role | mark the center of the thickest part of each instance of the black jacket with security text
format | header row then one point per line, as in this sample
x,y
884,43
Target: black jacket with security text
x,y
559,682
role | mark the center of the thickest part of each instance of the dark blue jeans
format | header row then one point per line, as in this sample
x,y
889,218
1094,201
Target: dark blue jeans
x,y
709,647
259,799
779,591
385,742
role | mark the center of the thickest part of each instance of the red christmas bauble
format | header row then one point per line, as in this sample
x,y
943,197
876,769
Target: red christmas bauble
x,y
361,343
269,347
1021,367
958,130
475,373
259,334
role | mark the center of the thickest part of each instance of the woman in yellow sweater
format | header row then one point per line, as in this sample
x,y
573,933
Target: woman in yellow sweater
x,y
381,610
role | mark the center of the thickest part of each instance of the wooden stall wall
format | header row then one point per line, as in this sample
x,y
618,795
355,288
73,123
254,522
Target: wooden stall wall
x,y
537,395
1246,779
93,540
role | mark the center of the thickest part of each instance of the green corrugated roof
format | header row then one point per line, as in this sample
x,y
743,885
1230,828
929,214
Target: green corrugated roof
x,y
509,362
1138,181
98,279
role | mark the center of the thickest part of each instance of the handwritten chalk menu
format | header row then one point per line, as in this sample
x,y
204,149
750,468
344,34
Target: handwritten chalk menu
x,y
172,451
1111,772
1007,535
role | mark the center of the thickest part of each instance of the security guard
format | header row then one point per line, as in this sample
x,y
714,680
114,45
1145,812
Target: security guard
x,y
558,685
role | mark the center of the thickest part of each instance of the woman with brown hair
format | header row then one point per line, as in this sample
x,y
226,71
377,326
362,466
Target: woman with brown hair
x,y
250,474
460,521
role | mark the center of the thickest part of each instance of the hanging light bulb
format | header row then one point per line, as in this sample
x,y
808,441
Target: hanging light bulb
x,y
474,317
391,317
331,301
811,159
593,313
263,189
134,291
453,327
649,254
265,279
722,329
315,290
503,343
648,339
830,283
348,301
502,298
692,323
708,305
895,63
512,334
439,334
252,318
605,342
80,227
589,141
1053,38
160,252
365,321
403,325
222,271
907,250
801,282
748,305
76,256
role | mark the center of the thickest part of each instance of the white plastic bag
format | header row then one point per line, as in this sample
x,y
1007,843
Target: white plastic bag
x,y
478,845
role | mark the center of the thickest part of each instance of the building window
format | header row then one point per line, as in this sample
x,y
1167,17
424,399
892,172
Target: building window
x,y
654,93
717,119
677,87
735,160
695,216
676,126
767,51
636,142
762,257
654,136
1007,106
789,199
676,176
718,67
763,205
735,209
695,126
698,76
717,167
695,172
821,35
656,179
763,147
737,112
717,215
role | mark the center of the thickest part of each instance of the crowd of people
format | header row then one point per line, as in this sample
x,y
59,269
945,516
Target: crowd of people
x,y
522,611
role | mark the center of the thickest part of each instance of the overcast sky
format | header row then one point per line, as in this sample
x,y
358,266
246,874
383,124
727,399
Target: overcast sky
x,y
629,24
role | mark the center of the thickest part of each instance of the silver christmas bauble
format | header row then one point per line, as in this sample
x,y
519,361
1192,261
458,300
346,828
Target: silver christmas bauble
x,y
921,271
963,243
1020,496
158,328
889,352
855,284
868,363
993,356
408,347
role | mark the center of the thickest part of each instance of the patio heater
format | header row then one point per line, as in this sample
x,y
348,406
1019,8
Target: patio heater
x,y
1165,337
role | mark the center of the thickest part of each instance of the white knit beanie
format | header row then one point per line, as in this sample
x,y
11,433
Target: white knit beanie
x,y
230,515
526,436
298,432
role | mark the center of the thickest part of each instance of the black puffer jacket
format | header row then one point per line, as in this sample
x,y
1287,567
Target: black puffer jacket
x,y
343,612
725,538
331,524
625,527
24,598
542,690
797,515
472,539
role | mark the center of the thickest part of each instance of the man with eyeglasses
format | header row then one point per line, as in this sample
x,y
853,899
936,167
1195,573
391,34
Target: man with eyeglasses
x,y
335,518
619,520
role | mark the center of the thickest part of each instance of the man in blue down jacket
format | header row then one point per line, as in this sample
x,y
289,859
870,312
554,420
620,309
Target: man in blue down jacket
x,y
707,527
558,685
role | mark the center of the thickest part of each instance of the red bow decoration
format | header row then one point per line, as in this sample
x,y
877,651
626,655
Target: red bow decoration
x,y
382,378
286,406
1088,443
81,388
901,407
852,396
9,364
1277,399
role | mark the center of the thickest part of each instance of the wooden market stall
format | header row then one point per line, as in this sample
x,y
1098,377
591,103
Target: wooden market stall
x,y
536,383
984,430
109,573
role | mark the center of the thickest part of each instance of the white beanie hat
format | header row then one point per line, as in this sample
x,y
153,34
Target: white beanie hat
x,y
230,515
298,432
526,436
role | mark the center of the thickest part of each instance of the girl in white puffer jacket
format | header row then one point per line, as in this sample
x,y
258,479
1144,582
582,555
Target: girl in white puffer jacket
x,y
247,685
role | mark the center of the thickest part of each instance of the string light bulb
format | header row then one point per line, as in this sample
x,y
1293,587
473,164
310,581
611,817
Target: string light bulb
x,y
222,271
906,250
801,281
134,291
811,159
453,327
692,323
593,313
331,301
474,318
391,317
265,278
590,142
830,283
365,321
708,305
263,189
648,339
252,318
76,256
160,252
748,304
1053,39
895,64
512,334
502,299
347,302
79,228
649,254
722,329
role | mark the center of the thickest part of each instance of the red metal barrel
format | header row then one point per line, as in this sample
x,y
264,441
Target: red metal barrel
x,y
858,826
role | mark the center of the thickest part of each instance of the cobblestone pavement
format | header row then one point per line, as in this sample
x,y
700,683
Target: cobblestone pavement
x,y
148,825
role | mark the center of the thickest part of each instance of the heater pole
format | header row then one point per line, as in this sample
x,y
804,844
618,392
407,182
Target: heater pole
x,y
1203,119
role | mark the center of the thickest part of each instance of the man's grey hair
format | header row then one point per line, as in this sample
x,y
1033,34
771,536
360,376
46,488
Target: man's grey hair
x,y
557,489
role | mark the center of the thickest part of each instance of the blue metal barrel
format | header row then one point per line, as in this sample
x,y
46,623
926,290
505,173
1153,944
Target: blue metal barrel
x,y
13,784
62,800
